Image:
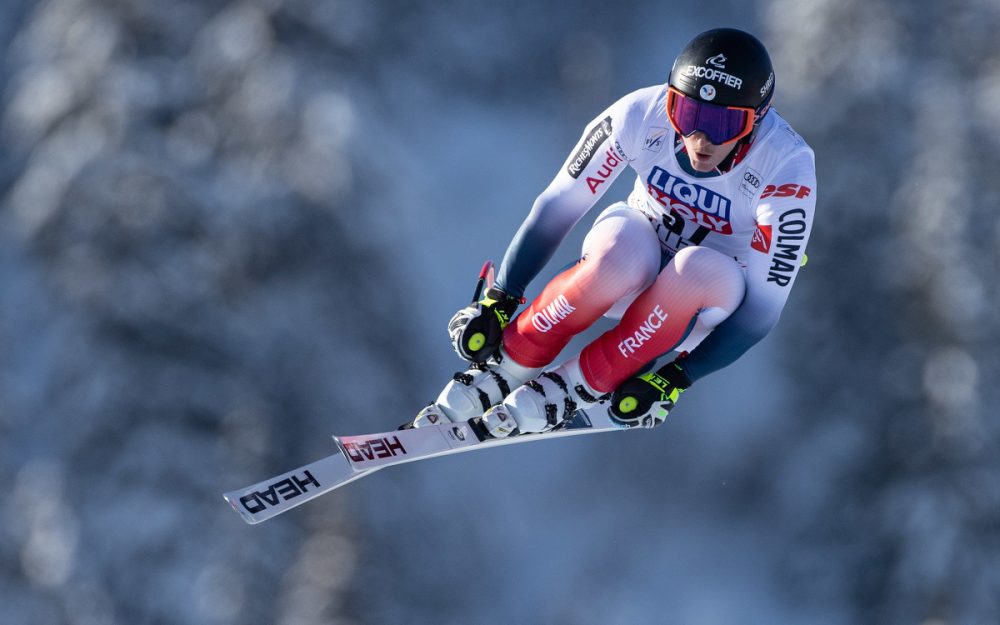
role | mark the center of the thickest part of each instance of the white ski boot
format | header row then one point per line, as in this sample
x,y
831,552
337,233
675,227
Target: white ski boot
x,y
544,403
471,393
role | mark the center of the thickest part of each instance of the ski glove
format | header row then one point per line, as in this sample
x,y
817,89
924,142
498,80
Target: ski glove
x,y
477,330
645,400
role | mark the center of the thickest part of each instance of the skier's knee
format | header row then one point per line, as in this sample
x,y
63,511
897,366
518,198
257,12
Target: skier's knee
x,y
717,277
622,249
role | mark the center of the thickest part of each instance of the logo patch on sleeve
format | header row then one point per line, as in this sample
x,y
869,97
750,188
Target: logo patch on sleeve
x,y
786,190
761,240
654,139
595,137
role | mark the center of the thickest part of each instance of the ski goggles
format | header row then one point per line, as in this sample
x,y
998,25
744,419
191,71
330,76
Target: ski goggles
x,y
722,124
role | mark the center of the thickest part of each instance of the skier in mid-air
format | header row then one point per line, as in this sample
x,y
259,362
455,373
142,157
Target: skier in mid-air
x,y
699,260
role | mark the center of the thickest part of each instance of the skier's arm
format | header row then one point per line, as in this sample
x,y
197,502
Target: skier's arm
x,y
784,220
596,161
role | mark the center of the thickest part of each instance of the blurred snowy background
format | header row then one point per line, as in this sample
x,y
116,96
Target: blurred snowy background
x,y
231,229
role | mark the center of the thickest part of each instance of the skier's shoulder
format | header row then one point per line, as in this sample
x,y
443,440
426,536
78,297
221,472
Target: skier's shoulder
x,y
780,142
632,114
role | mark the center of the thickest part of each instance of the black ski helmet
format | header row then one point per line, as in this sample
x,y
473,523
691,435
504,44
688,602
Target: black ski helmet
x,y
725,66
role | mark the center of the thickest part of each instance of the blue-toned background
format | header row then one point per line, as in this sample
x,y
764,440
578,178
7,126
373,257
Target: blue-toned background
x,y
229,230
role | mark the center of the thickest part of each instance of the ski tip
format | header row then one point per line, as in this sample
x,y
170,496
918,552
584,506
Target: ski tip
x,y
233,500
485,271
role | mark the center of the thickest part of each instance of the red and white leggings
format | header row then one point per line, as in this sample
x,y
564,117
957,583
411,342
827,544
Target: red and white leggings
x,y
619,276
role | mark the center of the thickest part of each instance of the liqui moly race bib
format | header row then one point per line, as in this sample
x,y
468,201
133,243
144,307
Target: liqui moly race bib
x,y
691,201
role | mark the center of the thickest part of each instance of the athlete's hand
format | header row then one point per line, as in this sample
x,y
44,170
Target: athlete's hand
x,y
477,329
646,400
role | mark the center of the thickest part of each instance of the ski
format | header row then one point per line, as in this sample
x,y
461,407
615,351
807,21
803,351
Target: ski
x,y
358,456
